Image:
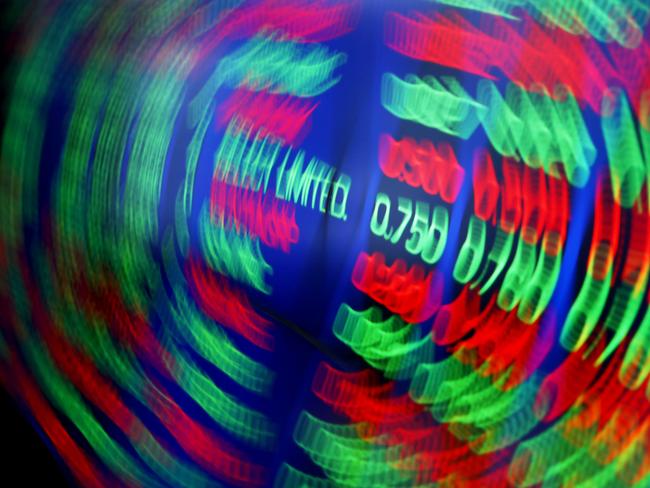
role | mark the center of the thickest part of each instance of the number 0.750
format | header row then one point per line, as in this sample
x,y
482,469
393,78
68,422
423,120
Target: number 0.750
x,y
428,232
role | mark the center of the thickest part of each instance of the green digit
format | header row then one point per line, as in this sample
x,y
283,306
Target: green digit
x,y
379,228
623,150
436,239
419,228
471,254
496,261
518,275
405,206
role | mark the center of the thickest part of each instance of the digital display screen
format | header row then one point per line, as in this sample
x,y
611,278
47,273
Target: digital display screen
x,y
329,243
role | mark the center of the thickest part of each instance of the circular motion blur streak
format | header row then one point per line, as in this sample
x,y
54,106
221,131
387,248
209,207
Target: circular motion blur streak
x,y
323,243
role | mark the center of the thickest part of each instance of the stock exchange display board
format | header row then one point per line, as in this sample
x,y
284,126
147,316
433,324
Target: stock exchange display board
x,y
355,243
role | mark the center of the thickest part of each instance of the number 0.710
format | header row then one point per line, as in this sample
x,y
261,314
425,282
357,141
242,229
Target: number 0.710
x,y
428,231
